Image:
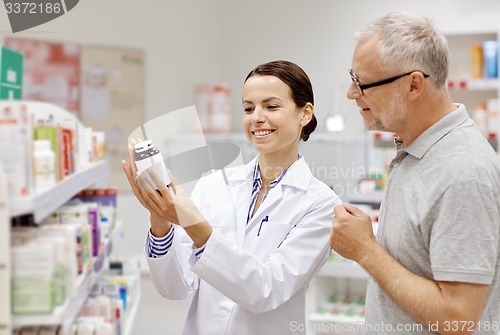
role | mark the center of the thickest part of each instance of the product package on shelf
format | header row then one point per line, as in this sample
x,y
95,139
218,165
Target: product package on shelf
x,y
341,314
44,162
70,153
73,144
33,273
15,148
54,136
78,214
105,198
114,298
63,238
31,167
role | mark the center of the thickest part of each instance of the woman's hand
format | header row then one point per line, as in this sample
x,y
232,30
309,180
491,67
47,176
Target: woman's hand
x,y
159,226
174,206
166,207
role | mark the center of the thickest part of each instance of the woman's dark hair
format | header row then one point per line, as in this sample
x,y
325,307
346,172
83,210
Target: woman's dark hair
x,y
298,81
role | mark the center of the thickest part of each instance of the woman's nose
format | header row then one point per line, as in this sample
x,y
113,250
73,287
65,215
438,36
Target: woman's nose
x,y
258,115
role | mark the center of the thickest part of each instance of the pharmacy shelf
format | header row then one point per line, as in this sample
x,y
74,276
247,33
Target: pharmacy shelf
x,y
65,314
343,269
5,322
62,315
132,315
484,84
44,203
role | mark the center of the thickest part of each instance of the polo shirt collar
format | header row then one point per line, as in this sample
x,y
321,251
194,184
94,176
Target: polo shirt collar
x,y
437,131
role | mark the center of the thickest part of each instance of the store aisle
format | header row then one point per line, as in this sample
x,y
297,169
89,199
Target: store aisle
x,y
157,315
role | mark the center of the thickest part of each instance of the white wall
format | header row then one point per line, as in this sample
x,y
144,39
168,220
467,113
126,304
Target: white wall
x,y
192,41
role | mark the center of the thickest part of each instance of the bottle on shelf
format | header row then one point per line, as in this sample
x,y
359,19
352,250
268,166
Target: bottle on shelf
x,y
44,165
491,58
477,61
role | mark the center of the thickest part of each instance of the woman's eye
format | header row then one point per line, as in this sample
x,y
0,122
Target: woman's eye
x,y
272,107
248,110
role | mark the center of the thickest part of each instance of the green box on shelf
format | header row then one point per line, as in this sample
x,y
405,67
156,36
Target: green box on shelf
x,y
11,74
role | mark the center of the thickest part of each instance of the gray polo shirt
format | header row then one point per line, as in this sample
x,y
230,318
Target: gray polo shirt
x,y
440,219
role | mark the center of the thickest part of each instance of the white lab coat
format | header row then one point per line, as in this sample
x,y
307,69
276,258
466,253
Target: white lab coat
x,y
244,283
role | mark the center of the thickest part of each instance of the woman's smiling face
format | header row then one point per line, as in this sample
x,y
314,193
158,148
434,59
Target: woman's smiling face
x,y
271,121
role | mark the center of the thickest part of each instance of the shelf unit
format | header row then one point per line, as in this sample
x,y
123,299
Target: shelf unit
x,y
65,314
43,203
341,277
40,205
131,324
5,323
463,88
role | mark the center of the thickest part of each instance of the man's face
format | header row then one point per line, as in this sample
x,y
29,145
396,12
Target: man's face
x,y
382,107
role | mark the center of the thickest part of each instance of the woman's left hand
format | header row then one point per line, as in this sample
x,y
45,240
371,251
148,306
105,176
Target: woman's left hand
x,y
174,206
166,207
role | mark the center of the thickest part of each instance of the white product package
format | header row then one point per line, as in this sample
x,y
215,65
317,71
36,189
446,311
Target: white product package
x,y
149,162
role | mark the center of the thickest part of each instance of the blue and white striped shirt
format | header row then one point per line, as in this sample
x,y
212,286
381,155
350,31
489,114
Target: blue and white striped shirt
x,y
257,184
158,246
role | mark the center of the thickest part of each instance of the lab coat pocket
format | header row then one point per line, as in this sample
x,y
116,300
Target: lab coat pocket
x,y
272,233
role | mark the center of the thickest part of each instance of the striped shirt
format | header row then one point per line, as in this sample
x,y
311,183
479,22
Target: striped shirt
x,y
257,184
159,246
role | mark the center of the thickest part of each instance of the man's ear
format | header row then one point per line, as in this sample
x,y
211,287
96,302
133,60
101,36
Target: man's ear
x,y
417,83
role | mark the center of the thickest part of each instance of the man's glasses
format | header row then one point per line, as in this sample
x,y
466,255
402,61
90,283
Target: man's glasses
x,y
361,87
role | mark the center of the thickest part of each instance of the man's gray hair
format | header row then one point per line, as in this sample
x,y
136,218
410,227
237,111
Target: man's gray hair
x,y
409,42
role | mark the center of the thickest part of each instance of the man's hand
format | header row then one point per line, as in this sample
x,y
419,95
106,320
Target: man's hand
x,y
352,233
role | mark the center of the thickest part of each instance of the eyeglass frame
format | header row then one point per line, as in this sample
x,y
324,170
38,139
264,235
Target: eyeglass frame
x,y
362,87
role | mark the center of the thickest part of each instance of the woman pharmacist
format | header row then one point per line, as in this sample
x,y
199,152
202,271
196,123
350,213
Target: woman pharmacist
x,y
250,239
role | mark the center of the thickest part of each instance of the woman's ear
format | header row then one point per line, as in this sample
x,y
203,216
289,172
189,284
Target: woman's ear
x,y
307,114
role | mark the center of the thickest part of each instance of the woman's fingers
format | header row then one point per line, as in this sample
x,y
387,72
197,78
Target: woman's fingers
x,y
158,182
151,196
131,154
175,184
150,187
131,180
131,160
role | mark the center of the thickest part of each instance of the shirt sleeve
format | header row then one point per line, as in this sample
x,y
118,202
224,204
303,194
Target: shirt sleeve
x,y
464,240
158,246
199,251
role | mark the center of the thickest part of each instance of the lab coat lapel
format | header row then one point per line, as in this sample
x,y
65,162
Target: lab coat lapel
x,y
297,176
274,195
241,196
240,182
